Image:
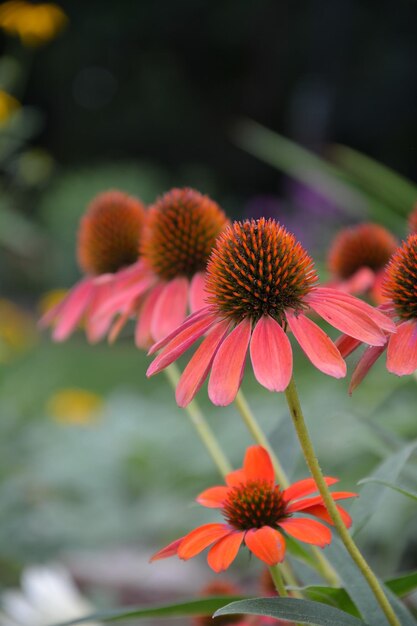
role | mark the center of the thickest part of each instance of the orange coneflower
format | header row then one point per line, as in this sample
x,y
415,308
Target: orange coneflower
x,y
181,229
257,512
260,282
108,244
357,258
400,289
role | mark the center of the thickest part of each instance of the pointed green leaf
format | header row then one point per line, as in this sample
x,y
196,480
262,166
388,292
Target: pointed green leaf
x,y
402,585
293,610
403,490
204,606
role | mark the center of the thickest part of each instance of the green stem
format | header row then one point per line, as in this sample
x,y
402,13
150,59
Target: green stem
x,y
316,472
201,426
278,580
323,566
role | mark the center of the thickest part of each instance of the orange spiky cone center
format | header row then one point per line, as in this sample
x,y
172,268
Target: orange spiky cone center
x,y
367,245
258,268
110,232
181,230
400,284
254,505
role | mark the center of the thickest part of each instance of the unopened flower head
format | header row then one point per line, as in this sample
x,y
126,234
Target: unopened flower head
x,y
257,512
182,227
260,281
110,232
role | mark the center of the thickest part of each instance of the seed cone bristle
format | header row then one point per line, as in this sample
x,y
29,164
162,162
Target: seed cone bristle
x,y
400,284
257,267
254,505
181,230
366,245
110,232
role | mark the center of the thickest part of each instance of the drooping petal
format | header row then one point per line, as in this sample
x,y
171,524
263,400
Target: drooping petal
x,y
267,544
305,487
197,540
320,511
347,344
235,478
189,321
182,341
143,337
214,497
350,320
307,530
122,298
271,354
170,309
257,465
121,321
402,349
198,293
199,366
377,315
228,365
72,309
170,550
318,346
224,552
300,505
368,358
96,327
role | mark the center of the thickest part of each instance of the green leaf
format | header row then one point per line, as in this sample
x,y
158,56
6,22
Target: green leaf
x,y
379,179
402,585
371,495
334,596
401,611
404,491
293,610
300,164
205,606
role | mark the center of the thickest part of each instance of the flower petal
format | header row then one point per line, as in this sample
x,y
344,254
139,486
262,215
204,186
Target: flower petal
x,y
318,346
170,309
198,294
191,319
197,540
224,552
271,354
323,294
257,465
97,327
267,544
72,309
361,281
143,336
305,487
199,366
182,341
123,297
300,505
170,550
229,364
402,349
368,358
307,530
214,497
235,478
319,510
346,345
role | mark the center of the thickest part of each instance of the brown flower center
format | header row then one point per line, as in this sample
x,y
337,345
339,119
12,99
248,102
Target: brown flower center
x,y
254,505
109,233
181,231
400,283
257,267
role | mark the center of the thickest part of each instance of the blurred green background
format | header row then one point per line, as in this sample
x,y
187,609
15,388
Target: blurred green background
x,y
267,106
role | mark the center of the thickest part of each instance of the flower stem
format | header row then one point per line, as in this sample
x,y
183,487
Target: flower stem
x,y
278,580
323,566
201,426
316,472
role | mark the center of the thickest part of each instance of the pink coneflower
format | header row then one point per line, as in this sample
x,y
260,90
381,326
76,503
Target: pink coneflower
x,y
108,248
357,258
181,229
400,289
261,282
257,513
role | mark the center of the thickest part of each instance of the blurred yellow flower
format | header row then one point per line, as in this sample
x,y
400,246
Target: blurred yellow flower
x,y
17,330
35,24
8,105
74,406
51,299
